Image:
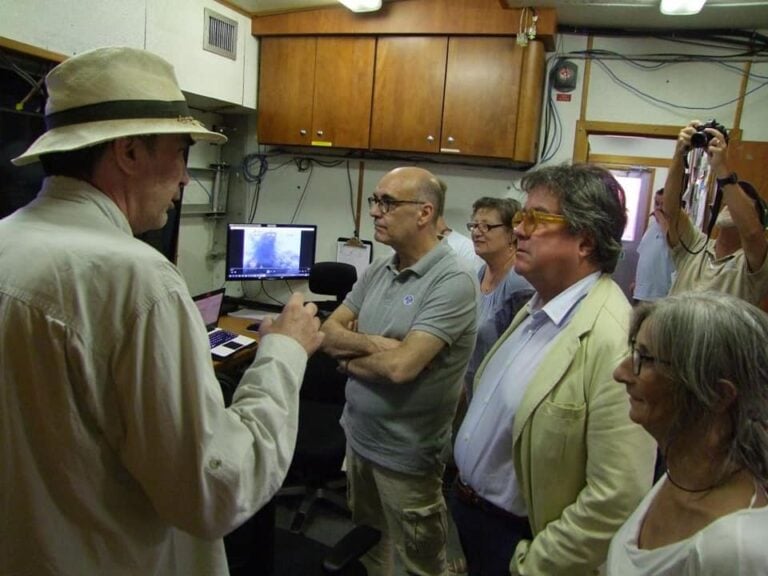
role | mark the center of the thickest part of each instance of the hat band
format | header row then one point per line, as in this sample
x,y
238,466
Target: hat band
x,y
117,110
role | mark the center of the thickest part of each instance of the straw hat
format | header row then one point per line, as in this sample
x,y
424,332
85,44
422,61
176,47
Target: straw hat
x,y
110,93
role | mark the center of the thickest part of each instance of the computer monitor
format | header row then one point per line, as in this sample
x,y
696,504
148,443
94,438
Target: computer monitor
x,y
270,251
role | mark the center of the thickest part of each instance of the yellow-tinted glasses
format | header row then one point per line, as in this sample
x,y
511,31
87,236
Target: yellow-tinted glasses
x,y
531,219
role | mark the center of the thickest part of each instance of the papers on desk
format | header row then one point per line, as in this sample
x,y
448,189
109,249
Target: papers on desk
x,y
252,314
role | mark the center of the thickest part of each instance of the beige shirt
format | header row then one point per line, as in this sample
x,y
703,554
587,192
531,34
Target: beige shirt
x,y
118,455
703,271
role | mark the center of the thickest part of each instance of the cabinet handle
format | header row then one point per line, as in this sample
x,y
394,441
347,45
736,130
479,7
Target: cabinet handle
x,y
320,132
303,132
430,138
451,139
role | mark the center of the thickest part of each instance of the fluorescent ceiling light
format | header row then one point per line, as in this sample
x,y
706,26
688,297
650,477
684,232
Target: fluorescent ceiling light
x,y
362,5
681,7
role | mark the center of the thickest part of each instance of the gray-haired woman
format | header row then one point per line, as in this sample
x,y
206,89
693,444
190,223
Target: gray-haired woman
x,y
697,379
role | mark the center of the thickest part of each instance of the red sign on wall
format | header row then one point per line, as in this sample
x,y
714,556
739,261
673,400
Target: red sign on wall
x,y
563,97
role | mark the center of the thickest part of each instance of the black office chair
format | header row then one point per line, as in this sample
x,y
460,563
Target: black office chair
x,y
331,279
299,555
315,472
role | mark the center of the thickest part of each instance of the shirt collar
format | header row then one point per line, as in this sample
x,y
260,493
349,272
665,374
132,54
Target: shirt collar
x,y
423,264
560,307
79,191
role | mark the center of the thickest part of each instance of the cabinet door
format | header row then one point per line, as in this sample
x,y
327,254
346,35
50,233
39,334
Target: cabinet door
x,y
286,90
343,90
481,96
408,93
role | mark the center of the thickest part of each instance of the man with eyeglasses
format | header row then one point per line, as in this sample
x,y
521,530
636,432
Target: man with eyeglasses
x,y
550,466
404,335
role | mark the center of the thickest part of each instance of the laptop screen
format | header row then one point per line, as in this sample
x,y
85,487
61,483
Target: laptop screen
x,y
209,305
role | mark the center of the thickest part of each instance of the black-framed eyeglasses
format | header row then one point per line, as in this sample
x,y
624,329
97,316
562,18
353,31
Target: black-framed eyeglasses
x,y
530,219
386,204
482,226
638,358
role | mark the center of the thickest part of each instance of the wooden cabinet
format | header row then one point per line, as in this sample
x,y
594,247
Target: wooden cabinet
x,y
408,93
316,91
463,95
458,95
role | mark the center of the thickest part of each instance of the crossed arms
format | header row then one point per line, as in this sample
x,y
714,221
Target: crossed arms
x,y
375,358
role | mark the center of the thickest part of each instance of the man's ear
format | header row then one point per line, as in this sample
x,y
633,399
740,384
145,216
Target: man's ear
x,y
126,154
426,213
586,245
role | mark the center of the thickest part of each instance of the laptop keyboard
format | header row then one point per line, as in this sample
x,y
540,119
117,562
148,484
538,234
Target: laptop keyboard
x,y
220,336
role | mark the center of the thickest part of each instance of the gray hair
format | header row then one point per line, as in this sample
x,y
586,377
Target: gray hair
x,y
593,203
506,208
432,190
707,337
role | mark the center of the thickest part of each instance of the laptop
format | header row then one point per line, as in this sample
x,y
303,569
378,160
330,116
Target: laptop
x,y
223,343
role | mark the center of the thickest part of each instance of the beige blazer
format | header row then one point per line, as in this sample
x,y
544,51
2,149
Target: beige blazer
x,y
582,465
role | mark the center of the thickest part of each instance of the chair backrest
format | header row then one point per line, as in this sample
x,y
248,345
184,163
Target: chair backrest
x,y
332,279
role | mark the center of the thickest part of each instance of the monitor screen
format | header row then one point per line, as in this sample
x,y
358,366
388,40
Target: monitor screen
x,y
270,251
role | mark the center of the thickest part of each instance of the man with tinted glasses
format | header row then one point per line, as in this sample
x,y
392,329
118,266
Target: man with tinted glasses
x,y
404,336
550,465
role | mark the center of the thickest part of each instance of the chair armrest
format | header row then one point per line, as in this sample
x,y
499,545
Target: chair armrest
x,y
354,544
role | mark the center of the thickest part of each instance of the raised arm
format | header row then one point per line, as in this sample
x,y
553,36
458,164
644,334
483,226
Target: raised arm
x,y
673,187
740,205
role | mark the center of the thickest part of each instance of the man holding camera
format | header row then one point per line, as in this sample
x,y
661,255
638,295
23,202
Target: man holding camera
x,y
735,262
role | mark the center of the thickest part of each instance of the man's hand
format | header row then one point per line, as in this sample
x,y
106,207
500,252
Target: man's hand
x,y
717,150
684,138
297,320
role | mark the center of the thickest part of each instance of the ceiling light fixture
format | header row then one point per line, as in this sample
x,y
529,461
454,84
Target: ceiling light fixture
x,y
362,5
681,7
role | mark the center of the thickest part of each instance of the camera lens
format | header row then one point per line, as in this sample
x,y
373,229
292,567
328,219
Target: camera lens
x,y
700,139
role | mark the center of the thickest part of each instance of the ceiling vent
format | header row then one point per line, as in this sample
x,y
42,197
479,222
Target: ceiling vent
x,y
220,35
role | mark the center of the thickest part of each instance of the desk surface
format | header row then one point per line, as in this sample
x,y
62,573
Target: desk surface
x,y
238,326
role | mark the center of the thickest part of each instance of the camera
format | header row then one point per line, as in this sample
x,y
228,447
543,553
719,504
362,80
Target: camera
x,y
701,139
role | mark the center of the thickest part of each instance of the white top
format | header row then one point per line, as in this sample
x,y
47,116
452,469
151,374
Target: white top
x,y
117,455
736,544
464,248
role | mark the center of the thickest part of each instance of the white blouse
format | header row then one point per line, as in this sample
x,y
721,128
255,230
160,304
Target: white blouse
x,y
735,544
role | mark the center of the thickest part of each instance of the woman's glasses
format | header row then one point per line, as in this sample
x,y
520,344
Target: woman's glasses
x,y
638,358
482,226
530,219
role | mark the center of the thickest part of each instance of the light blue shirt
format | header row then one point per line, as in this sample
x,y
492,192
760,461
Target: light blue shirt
x,y
484,442
655,268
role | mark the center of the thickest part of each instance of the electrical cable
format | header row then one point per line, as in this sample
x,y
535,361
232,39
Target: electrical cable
x,y
264,289
299,163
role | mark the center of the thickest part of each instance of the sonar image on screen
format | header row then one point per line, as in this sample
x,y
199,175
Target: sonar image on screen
x,y
270,251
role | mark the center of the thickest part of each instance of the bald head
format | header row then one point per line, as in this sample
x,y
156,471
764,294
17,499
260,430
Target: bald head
x,y
419,184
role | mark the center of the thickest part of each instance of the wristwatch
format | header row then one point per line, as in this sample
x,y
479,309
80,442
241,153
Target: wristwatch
x,y
732,178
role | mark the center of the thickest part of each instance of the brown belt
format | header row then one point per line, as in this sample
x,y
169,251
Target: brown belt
x,y
467,495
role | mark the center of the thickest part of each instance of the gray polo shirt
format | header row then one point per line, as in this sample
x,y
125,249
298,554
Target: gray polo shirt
x,y
407,427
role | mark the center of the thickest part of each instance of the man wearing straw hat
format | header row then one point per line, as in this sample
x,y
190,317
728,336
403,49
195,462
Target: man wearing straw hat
x,y
118,455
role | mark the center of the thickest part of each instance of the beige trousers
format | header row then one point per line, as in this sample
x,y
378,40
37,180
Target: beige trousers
x,y
409,510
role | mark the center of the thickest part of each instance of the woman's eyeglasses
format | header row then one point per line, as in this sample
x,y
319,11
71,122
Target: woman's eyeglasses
x,y
530,219
638,358
482,226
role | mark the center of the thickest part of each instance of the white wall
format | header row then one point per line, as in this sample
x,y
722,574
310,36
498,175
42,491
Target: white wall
x,y
171,28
